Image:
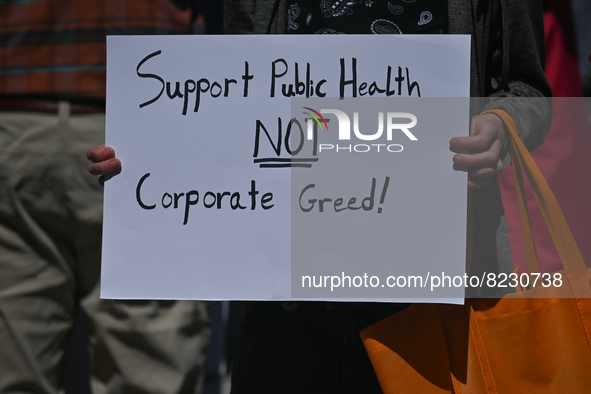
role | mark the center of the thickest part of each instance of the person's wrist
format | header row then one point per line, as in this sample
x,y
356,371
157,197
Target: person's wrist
x,y
499,125
505,154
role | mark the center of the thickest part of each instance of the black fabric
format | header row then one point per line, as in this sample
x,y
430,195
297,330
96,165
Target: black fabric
x,y
306,347
367,17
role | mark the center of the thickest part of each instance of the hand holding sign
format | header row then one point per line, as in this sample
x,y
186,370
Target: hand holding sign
x,y
486,140
103,161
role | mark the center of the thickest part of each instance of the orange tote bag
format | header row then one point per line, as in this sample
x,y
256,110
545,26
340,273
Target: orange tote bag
x,y
537,340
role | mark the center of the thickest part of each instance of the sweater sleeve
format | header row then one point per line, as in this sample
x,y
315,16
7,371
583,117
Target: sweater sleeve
x,y
520,85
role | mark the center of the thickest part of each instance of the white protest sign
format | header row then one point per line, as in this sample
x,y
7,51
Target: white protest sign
x,y
202,208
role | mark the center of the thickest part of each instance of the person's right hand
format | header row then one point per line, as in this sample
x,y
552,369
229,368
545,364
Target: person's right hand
x,y
103,161
482,159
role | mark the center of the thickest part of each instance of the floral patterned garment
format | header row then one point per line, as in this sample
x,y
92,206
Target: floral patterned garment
x,y
367,17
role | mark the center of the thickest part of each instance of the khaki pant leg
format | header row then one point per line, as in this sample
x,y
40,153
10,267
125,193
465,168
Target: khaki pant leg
x,y
136,346
156,347
50,232
37,286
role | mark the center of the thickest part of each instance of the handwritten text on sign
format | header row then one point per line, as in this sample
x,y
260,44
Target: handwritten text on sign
x,y
217,160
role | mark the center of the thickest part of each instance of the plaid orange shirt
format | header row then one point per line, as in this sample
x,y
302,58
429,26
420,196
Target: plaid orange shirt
x,y
57,48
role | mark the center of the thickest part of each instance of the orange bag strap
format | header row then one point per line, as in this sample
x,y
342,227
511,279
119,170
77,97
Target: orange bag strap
x,y
469,231
572,260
